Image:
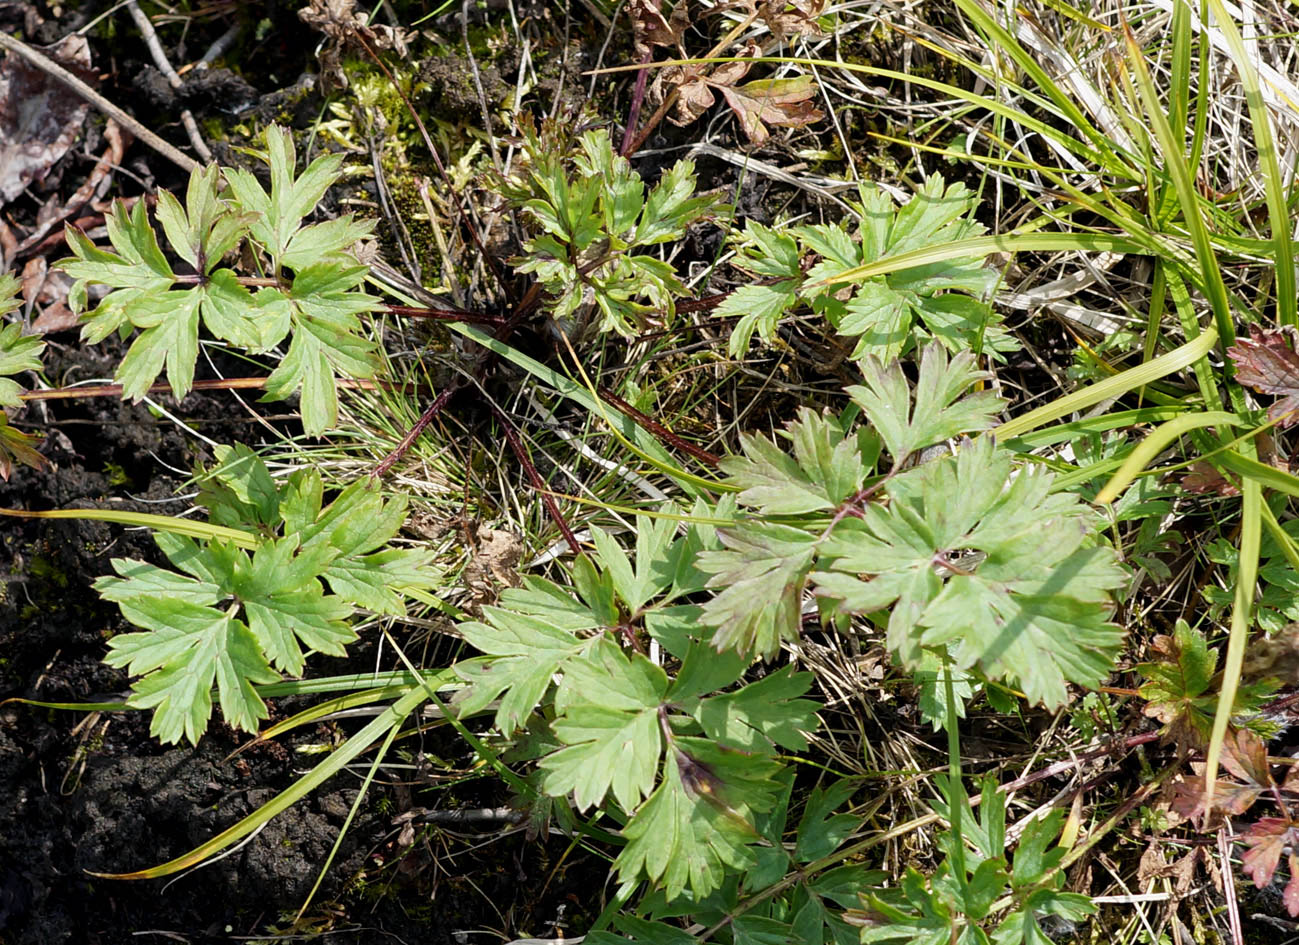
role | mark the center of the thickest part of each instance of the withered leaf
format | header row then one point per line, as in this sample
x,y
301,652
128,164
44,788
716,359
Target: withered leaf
x,y
1266,362
1229,797
346,27
783,103
1244,755
650,28
1266,840
40,117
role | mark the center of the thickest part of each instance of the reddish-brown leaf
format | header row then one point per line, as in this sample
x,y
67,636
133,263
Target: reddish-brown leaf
x,y
1265,841
1244,755
1229,797
1267,362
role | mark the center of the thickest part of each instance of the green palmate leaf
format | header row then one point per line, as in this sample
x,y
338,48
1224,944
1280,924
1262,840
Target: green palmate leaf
x,y
18,353
274,596
761,573
609,722
940,410
207,227
278,226
322,306
523,654
826,468
591,211
762,714
990,567
696,826
188,646
821,831
767,255
757,308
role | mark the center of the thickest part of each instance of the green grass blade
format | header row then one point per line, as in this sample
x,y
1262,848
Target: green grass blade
x,y
391,718
1242,617
986,245
1154,444
1278,210
1115,386
159,523
1175,164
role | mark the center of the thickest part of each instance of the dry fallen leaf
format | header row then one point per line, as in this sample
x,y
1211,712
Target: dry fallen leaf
x,y
345,26
777,102
786,103
650,28
40,117
1266,362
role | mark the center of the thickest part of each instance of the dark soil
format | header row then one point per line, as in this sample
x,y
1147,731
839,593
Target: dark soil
x,y
94,793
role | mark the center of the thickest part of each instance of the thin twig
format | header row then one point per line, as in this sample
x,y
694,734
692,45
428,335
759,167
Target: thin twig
x,y
145,26
54,70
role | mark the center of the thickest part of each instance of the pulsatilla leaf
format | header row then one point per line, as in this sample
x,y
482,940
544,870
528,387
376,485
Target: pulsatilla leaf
x,y
761,572
992,568
697,825
237,617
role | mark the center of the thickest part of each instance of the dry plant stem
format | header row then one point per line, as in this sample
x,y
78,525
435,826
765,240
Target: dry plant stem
x,y
637,99
445,315
660,431
537,482
53,69
145,26
407,441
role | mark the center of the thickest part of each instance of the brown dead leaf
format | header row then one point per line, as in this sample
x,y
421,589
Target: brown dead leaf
x,y
53,214
47,291
1267,362
40,117
345,26
785,103
777,102
493,564
650,28
791,18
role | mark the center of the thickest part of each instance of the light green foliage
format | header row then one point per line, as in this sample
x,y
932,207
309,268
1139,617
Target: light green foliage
x,y
18,353
972,557
594,212
316,296
949,907
993,568
689,756
238,616
887,314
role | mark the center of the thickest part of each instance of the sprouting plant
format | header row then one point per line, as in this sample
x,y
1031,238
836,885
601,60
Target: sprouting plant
x,y
308,286
595,213
18,352
886,314
977,882
972,558
282,572
688,757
